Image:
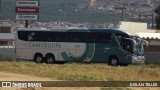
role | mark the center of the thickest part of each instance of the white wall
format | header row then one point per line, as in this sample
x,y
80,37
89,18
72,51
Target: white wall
x,y
135,27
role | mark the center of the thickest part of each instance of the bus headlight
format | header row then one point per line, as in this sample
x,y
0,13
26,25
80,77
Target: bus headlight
x,y
138,59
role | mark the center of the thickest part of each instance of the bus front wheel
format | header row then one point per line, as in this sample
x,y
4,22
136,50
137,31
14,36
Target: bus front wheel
x,y
113,61
38,58
50,59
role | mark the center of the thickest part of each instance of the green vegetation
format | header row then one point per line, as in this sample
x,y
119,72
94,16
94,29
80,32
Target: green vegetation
x,y
63,10
84,72
157,18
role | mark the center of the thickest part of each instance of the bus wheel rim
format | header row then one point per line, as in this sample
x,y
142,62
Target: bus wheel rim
x,y
113,61
39,59
50,60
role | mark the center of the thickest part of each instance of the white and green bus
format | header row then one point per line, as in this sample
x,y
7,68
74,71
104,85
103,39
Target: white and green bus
x,y
110,46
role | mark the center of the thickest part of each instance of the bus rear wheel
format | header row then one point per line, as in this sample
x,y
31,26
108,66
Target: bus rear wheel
x,y
38,58
50,59
113,61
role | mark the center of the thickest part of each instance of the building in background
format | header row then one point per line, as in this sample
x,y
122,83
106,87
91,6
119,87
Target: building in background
x,y
7,37
137,27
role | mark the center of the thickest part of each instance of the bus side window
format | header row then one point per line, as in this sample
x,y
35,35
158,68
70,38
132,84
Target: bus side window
x,y
45,36
62,36
91,37
127,45
106,38
37,36
58,37
23,35
76,37
31,36
50,36
66,36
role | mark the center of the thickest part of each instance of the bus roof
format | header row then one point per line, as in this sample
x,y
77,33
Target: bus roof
x,y
131,33
31,29
76,30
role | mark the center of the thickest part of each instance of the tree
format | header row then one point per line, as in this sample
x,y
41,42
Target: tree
x,y
157,18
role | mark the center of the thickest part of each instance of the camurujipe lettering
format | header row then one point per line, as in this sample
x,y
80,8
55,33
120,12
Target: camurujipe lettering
x,y
45,45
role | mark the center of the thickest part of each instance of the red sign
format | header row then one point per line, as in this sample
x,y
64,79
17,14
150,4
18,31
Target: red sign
x,y
27,10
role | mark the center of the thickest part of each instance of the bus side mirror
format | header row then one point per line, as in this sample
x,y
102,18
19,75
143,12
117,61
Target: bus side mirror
x,y
146,42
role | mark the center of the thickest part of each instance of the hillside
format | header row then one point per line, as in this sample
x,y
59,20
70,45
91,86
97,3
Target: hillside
x,y
63,10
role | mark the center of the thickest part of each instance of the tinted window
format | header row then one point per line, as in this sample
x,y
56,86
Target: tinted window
x,y
44,36
121,34
36,36
91,37
106,38
48,36
76,37
59,36
23,35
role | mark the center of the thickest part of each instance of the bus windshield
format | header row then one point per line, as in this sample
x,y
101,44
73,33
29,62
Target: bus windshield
x,y
126,44
132,45
138,47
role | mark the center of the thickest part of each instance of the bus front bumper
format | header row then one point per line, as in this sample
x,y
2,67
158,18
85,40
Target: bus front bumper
x,y
138,59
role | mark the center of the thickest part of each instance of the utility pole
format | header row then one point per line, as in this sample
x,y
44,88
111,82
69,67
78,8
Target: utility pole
x,y
122,12
152,17
0,11
152,21
139,17
26,25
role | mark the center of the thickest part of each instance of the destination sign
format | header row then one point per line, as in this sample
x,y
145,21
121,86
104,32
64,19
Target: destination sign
x,y
26,17
27,10
32,3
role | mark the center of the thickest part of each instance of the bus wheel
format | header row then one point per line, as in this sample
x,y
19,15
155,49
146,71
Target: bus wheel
x,y
113,61
50,59
38,58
